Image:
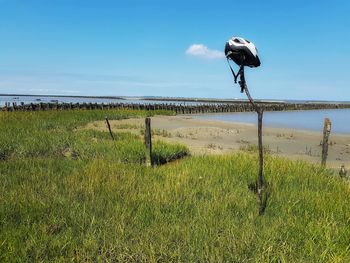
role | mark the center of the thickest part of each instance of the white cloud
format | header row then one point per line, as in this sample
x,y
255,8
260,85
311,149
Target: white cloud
x,y
200,50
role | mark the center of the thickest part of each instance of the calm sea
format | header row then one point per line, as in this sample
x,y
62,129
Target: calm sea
x,y
305,120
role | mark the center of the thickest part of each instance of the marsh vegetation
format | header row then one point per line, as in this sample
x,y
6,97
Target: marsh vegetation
x,y
68,193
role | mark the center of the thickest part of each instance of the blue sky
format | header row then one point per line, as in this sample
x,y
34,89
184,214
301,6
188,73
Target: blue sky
x,y
132,48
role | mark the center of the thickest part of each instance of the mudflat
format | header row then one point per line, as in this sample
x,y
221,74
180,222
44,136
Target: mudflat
x,y
218,137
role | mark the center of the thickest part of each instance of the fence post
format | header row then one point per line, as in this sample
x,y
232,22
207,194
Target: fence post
x,y
326,132
148,141
109,128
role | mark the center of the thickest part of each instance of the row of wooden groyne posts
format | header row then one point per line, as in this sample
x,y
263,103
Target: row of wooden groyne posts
x,y
178,108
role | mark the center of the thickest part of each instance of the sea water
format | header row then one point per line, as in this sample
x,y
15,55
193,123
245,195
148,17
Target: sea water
x,y
311,120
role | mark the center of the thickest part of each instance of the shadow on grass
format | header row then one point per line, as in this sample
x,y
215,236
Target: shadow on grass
x,y
158,159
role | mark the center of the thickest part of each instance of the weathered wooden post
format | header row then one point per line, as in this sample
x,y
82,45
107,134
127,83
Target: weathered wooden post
x,y
148,141
260,182
326,133
109,128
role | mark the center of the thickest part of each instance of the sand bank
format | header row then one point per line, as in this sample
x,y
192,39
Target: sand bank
x,y
217,137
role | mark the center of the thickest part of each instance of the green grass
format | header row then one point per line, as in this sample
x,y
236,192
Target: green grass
x,y
67,194
56,134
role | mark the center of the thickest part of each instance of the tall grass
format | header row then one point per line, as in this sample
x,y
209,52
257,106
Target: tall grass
x,y
52,133
92,208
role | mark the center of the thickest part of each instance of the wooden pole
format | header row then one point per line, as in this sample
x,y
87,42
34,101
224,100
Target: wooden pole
x,y
109,128
260,183
326,133
148,141
262,205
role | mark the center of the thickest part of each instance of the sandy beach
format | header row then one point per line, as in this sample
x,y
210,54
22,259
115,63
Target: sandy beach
x,y
218,137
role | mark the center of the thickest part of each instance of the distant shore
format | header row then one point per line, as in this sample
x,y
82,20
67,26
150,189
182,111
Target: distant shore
x,y
176,99
31,103
217,137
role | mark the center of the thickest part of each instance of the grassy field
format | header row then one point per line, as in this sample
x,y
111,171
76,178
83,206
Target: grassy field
x,y
70,194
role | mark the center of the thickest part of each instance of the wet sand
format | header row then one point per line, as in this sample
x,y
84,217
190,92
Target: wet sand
x,y
218,137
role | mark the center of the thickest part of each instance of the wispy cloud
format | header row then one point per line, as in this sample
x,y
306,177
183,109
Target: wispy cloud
x,y
200,50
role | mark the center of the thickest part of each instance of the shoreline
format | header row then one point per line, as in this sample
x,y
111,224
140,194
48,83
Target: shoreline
x,y
220,137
